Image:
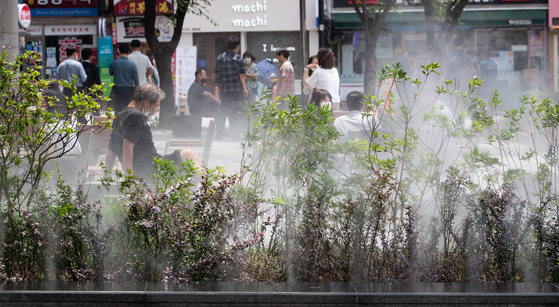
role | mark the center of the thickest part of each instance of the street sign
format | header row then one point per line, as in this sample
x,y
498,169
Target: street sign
x,y
23,15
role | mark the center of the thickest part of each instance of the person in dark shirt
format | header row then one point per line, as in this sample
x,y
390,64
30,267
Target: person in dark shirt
x,y
230,75
132,141
202,102
125,78
91,70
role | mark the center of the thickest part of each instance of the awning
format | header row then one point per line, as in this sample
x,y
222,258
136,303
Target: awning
x,y
469,19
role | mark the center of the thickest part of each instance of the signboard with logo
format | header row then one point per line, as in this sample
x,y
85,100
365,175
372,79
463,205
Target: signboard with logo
x,y
23,15
247,15
62,37
70,29
138,7
34,30
58,8
130,28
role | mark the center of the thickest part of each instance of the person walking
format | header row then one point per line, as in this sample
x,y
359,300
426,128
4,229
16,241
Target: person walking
x,y
125,79
91,70
286,84
143,64
325,76
251,76
231,78
70,69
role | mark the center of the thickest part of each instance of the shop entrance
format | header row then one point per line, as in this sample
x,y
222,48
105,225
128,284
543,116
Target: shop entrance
x,y
209,46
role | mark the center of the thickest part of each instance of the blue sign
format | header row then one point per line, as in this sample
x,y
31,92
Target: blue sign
x,y
64,12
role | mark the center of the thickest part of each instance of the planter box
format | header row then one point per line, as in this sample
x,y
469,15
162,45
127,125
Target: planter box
x,y
277,294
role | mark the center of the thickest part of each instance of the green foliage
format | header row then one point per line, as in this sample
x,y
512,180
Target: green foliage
x,y
30,136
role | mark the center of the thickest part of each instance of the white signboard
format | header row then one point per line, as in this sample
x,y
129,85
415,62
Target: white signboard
x,y
506,61
247,16
186,67
64,30
129,28
51,57
35,30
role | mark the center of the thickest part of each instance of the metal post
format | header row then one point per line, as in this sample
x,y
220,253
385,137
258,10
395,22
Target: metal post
x,y
321,38
303,12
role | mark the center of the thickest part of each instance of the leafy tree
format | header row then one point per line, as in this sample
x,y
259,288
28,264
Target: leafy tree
x,y
30,136
372,17
163,51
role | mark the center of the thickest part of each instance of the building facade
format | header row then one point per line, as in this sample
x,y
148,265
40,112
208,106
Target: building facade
x,y
263,26
513,32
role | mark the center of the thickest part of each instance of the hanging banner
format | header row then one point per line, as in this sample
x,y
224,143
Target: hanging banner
x,y
174,75
185,69
105,50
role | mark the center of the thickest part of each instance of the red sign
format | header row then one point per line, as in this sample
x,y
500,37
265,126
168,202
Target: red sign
x,y
114,33
66,43
138,7
173,74
24,15
61,4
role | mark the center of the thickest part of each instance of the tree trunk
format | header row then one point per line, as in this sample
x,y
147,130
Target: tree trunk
x,y
373,26
370,78
431,19
163,53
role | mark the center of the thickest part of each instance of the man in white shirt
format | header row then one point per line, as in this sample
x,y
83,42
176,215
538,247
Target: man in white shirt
x,y
354,120
142,62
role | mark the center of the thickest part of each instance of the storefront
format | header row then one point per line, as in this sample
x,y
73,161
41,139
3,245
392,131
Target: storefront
x,y
513,32
57,25
263,26
553,45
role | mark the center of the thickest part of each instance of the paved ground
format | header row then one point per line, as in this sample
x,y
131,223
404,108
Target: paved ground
x,y
223,153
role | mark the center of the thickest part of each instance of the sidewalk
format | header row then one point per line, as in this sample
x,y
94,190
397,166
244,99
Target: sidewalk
x,y
223,153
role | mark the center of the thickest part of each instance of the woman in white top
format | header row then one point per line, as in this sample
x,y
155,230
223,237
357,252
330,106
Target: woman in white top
x,y
325,76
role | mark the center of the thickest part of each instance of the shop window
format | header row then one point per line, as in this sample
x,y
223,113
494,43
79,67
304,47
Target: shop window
x,y
201,52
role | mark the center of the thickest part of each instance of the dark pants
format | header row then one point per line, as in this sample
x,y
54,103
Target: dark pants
x,y
211,109
232,106
145,171
122,97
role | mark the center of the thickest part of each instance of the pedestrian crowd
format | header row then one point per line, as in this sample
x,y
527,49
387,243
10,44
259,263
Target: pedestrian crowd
x,y
136,95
